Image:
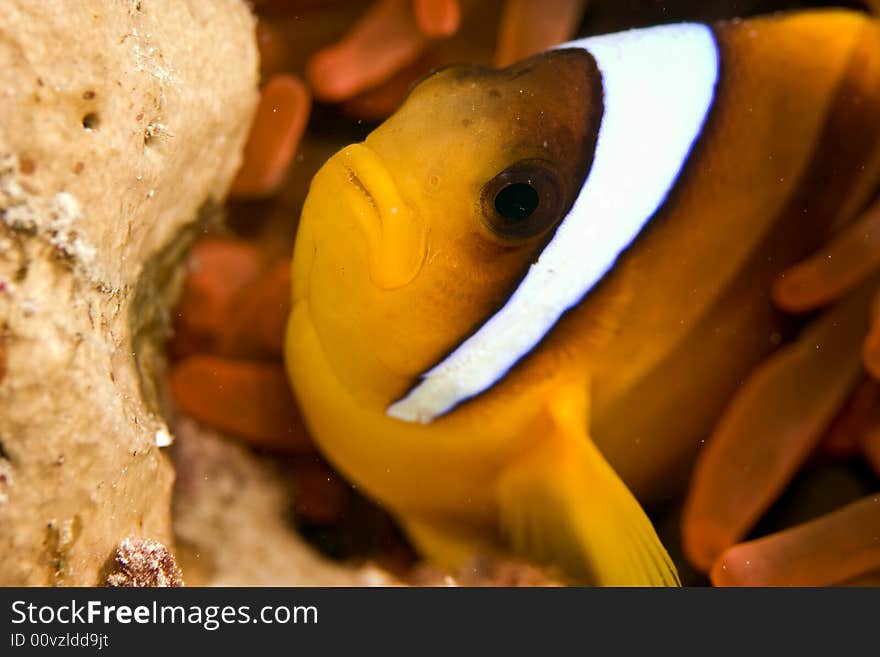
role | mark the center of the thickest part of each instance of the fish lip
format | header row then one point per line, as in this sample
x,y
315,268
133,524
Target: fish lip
x,y
362,198
347,163
395,239
358,184
356,197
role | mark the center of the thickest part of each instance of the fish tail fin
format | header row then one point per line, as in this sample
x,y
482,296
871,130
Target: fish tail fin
x,y
562,505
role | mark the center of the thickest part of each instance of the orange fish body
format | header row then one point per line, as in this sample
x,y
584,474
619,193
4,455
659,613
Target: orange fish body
x,y
531,291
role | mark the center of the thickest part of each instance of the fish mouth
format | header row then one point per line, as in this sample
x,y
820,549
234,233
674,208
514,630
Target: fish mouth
x,y
395,237
355,192
359,186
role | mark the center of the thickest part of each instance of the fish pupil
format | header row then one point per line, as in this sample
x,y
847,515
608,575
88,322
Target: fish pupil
x,y
517,201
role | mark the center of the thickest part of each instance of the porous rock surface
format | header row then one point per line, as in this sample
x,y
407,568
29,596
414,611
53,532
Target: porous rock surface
x,y
121,122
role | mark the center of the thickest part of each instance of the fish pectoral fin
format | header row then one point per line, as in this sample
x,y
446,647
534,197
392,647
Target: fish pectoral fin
x,y
561,504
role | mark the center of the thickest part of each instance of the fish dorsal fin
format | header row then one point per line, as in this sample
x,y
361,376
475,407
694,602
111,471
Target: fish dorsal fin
x,y
657,85
561,504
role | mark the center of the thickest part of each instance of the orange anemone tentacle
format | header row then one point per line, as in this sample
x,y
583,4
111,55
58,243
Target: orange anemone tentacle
x,y
246,398
379,102
273,48
859,415
258,315
871,348
321,498
831,549
437,18
528,27
868,579
275,134
850,258
771,426
383,40
217,269
870,442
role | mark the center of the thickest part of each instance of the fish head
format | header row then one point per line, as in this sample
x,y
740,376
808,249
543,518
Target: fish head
x,y
410,240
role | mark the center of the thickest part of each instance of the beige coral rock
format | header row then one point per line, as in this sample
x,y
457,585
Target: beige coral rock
x,y
120,121
232,521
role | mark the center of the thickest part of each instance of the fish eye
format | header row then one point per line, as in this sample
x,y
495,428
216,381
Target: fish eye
x,y
522,201
517,201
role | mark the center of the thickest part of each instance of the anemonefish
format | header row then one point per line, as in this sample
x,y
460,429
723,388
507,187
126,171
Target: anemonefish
x,y
523,300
